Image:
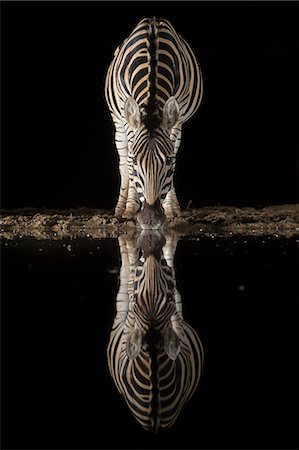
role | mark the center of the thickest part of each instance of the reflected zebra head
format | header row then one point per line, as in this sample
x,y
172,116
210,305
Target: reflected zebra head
x,y
155,358
152,156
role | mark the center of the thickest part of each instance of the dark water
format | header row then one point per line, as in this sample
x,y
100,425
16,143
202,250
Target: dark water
x,y
58,305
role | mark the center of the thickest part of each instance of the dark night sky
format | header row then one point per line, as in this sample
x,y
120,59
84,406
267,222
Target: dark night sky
x,y
57,136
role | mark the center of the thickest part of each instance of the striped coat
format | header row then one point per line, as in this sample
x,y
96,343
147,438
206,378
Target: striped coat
x,y
155,358
153,85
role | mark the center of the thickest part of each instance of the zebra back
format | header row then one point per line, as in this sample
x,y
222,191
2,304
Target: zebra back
x,y
153,64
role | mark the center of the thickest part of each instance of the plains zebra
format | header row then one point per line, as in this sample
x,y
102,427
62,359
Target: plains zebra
x,y
155,358
153,85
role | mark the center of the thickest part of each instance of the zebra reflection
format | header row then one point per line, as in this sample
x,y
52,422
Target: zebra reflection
x,y
155,358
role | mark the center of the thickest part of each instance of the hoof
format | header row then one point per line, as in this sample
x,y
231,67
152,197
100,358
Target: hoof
x,y
128,215
118,214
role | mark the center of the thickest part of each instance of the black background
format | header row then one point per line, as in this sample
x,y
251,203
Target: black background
x,y
57,136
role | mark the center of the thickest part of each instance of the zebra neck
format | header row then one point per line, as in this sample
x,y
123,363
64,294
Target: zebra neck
x,y
152,118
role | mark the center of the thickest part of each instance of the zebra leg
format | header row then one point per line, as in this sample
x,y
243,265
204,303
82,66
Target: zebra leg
x,y
133,254
169,250
132,203
122,298
171,204
124,186
175,203
122,148
132,206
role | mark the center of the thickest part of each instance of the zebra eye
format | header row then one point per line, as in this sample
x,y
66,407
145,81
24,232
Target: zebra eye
x,y
145,346
169,160
134,159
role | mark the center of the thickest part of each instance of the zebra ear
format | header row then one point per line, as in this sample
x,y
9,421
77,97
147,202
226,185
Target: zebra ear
x,y
132,112
171,113
171,343
134,343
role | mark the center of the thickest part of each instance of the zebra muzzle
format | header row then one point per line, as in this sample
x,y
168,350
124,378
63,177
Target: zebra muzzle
x,y
151,217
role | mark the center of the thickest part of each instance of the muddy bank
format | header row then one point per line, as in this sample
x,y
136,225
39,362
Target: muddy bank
x,y
279,221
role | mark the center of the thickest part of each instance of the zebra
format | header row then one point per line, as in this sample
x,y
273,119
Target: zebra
x,y
153,85
154,357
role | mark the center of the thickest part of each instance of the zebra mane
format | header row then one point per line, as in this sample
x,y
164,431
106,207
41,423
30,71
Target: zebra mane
x,y
152,117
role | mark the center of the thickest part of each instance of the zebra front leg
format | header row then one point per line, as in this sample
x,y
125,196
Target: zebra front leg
x,y
171,205
122,298
124,188
133,255
170,246
122,148
132,204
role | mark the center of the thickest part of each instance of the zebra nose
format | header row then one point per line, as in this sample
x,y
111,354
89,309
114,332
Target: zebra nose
x,y
151,242
151,217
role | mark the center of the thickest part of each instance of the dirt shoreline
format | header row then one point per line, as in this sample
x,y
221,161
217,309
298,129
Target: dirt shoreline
x,y
221,221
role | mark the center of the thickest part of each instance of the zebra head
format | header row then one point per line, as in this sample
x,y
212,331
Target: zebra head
x,y
149,336
153,157
153,303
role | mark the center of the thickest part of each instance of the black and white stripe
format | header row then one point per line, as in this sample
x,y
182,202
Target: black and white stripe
x,y
153,86
155,358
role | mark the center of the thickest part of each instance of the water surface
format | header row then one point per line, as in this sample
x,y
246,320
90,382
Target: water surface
x,y
58,306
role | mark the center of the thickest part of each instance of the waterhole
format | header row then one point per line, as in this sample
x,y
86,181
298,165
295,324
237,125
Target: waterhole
x,y
58,307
